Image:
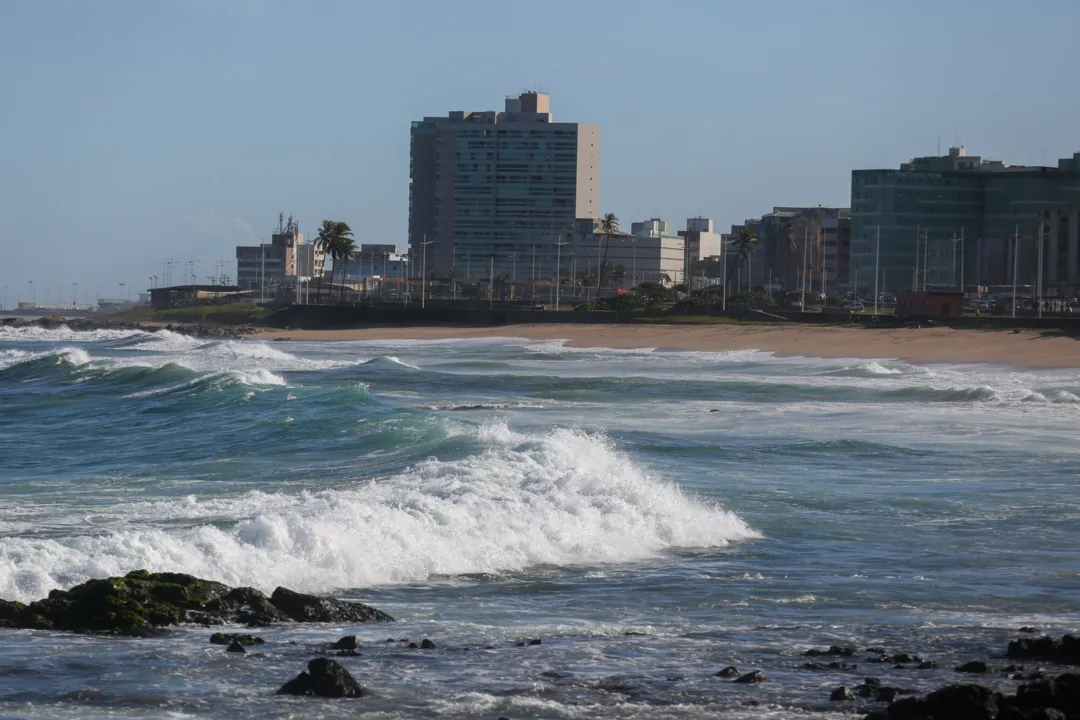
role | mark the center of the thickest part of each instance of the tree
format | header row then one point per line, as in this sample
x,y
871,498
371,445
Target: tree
x,y
747,244
335,239
346,252
609,226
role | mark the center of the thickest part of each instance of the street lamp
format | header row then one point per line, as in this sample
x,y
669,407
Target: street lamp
x,y
33,296
73,286
558,269
123,296
423,271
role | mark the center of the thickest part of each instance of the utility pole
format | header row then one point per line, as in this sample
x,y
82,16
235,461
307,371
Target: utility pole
x,y
491,283
1016,243
423,270
1039,280
925,263
723,255
877,261
918,248
805,242
558,268
961,262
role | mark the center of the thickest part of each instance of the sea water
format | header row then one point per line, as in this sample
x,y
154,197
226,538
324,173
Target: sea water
x,y
651,515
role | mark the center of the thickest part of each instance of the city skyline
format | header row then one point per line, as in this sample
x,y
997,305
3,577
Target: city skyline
x,y
150,132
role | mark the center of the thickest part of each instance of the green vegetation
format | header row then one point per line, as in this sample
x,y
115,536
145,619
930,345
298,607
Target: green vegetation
x,y
709,302
238,313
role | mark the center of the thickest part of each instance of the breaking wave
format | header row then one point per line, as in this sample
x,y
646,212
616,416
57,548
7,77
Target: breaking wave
x,y
562,498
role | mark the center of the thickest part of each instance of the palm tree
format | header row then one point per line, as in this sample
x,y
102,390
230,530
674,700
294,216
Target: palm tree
x,y
335,239
609,226
748,243
346,251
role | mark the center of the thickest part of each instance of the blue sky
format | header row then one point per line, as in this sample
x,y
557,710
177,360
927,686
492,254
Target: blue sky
x,y
132,131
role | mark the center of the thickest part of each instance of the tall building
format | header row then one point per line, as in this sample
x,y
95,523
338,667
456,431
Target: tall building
x,y
952,218
268,265
500,186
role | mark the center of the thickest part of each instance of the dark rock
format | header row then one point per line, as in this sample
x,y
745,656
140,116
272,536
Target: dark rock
x,y
235,647
887,694
753,677
834,665
927,665
426,644
905,658
534,641
1065,651
1027,630
413,646
842,694
346,643
974,667
139,602
323,678
876,650
230,638
834,651
390,640
312,608
962,702
870,688
347,653
248,606
729,672
1012,669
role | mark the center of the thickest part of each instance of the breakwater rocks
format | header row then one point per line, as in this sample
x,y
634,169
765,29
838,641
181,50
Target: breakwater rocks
x,y
140,602
198,330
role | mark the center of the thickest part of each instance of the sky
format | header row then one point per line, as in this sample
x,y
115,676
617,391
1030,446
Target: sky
x,y
133,132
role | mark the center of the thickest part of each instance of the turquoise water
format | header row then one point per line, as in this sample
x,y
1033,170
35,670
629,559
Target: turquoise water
x,y
652,515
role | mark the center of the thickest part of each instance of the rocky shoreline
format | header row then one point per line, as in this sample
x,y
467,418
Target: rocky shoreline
x,y
197,330
145,604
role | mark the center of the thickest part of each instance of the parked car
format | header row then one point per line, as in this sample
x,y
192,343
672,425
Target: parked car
x,y
853,305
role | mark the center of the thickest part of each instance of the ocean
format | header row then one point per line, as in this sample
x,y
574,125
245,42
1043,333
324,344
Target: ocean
x,y
651,516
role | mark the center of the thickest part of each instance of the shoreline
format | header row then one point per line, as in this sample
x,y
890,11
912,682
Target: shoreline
x,y
1024,348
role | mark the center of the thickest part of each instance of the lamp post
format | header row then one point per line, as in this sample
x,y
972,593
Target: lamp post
x,y
73,286
122,285
423,271
33,296
558,269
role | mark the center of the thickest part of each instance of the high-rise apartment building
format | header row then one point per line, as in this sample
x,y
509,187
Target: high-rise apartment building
x,y
949,219
500,187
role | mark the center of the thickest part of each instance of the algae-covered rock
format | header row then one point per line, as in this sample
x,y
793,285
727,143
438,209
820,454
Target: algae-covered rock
x,y
141,601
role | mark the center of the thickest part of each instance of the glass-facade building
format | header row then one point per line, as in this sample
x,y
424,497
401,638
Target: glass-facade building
x,y
959,218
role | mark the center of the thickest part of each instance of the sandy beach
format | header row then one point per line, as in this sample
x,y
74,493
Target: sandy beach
x,y
926,345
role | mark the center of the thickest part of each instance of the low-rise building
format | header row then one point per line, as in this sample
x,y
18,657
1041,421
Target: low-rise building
x,y
268,266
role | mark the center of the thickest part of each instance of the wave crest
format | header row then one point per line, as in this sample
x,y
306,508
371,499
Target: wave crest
x,y
563,498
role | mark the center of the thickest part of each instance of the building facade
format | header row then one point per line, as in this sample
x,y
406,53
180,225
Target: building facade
x,y
958,219
268,266
498,187
800,245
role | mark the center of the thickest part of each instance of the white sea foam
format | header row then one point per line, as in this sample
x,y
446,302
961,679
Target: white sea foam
x,y
63,334
560,498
